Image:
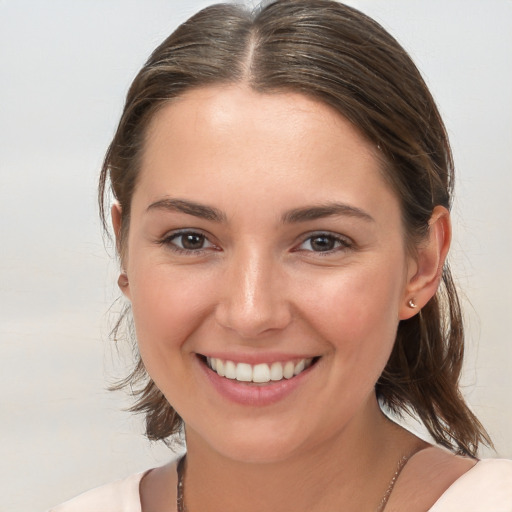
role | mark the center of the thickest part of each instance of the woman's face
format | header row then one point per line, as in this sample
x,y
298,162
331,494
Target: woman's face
x,y
263,239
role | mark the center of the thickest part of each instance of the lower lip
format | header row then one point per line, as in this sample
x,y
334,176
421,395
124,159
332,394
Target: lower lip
x,y
254,394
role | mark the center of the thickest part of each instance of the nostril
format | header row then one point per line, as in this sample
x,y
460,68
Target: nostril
x,y
253,320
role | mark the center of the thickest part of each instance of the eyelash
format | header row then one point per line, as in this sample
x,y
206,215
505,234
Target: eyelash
x,y
341,243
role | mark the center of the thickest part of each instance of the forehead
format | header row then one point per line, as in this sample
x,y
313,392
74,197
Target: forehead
x,y
257,142
281,116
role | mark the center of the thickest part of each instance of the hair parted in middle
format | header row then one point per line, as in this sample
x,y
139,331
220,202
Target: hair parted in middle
x,y
341,57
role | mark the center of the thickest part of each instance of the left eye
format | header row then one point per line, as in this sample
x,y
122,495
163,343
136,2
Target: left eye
x,y
323,242
190,241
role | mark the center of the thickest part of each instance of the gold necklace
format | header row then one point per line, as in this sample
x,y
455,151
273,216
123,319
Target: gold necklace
x,y
389,490
180,493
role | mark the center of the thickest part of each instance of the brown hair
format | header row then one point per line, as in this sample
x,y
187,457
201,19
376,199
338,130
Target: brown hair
x,y
338,55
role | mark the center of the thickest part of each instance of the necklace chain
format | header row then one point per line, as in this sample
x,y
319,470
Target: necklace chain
x,y
180,500
389,490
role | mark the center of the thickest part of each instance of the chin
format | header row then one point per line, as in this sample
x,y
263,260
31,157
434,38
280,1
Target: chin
x,y
260,442
258,453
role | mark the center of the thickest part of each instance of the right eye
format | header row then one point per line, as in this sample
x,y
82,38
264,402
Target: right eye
x,y
187,242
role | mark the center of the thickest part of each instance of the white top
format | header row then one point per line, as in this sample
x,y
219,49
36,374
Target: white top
x,y
486,487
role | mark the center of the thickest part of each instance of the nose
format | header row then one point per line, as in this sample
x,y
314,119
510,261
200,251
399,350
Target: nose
x,y
253,298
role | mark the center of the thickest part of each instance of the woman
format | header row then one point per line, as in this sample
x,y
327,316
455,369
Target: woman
x,y
283,182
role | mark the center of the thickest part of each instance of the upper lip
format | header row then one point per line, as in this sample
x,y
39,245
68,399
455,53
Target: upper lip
x,y
258,358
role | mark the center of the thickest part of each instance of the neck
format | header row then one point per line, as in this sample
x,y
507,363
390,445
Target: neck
x,y
350,470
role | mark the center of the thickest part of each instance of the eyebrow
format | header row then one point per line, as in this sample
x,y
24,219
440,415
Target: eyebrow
x,y
296,215
325,210
189,207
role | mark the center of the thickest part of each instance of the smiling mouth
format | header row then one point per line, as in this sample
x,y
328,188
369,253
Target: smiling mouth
x,y
258,373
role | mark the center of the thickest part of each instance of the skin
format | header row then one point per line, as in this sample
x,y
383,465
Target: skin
x,y
256,284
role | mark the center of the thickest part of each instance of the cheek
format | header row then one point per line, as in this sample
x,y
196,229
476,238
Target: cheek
x,y
167,307
356,310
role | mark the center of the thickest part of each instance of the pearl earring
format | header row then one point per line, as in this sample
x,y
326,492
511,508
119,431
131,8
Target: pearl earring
x,y
412,304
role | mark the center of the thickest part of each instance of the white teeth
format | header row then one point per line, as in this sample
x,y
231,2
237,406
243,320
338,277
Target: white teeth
x,y
230,370
259,373
276,371
244,372
288,370
299,367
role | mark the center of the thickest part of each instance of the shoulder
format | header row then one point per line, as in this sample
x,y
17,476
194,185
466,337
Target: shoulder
x,y
426,476
119,496
485,487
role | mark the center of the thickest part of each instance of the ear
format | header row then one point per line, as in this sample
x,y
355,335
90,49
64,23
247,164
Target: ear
x,y
426,271
122,281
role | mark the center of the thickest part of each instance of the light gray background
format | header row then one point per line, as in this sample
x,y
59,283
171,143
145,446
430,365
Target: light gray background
x,y
64,69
